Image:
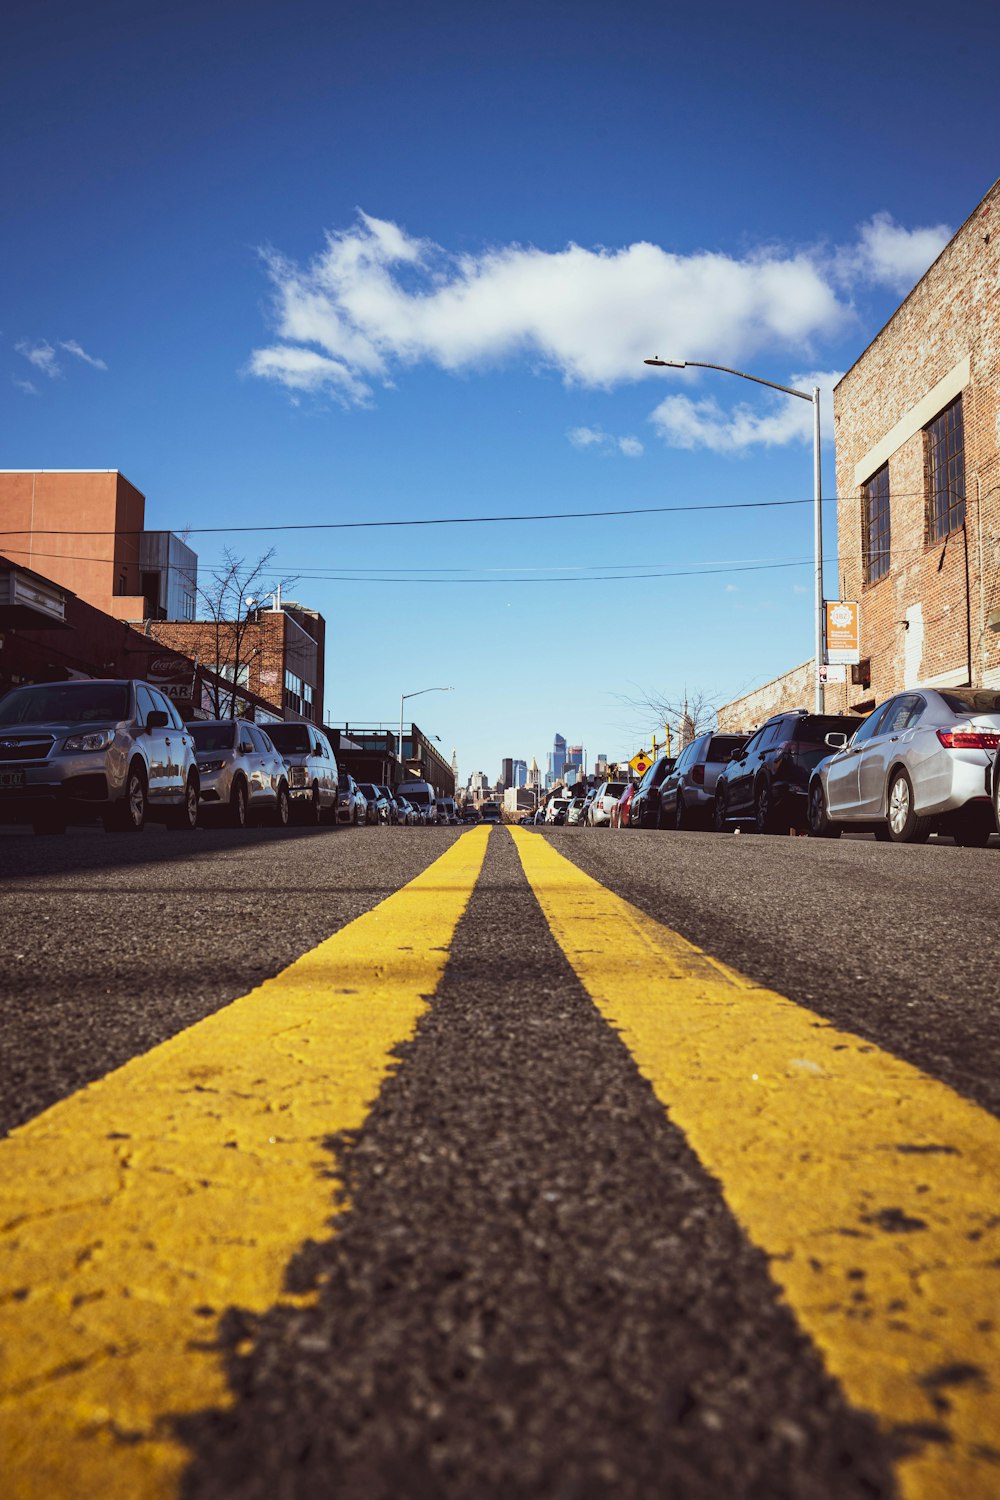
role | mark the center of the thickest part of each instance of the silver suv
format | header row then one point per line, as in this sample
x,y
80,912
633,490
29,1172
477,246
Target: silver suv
x,y
313,780
242,775
105,746
687,793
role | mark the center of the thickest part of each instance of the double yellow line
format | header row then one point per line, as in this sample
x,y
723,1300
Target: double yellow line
x,y
133,1213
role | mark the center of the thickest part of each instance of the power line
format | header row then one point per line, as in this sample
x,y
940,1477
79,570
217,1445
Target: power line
x,y
560,515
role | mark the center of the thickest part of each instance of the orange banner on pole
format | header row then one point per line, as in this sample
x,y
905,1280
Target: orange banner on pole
x,y
843,632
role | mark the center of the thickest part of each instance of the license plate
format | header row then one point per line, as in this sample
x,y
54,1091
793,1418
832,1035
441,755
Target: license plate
x,y
11,778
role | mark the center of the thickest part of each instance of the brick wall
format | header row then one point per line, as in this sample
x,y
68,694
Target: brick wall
x,y
794,689
927,619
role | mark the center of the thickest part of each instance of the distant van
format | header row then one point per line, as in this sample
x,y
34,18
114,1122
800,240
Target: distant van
x,y
421,794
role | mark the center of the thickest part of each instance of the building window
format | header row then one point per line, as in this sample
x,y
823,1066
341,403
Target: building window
x,y
875,533
187,606
298,696
945,449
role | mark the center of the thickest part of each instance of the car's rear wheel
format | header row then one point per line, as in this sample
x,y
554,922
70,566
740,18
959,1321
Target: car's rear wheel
x,y
236,813
720,821
283,808
821,825
905,825
129,815
682,816
764,810
974,826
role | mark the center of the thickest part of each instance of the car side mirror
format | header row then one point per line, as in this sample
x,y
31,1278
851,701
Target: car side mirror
x,y
836,741
736,755
157,719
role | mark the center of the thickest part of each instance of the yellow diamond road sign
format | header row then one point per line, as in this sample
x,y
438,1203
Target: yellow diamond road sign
x,y
640,763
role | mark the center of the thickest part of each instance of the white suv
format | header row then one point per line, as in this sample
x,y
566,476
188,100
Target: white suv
x,y
605,798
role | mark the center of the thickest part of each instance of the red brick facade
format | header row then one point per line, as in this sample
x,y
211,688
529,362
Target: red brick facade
x,y
926,620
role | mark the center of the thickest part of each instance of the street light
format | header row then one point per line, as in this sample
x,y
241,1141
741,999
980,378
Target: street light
x,y
697,364
402,699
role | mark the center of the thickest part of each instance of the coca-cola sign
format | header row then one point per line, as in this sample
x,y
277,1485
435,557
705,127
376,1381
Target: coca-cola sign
x,y
170,666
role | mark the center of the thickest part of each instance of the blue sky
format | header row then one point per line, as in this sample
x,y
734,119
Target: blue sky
x,y
296,263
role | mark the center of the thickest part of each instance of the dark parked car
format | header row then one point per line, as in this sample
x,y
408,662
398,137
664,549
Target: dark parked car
x,y
644,809
766,782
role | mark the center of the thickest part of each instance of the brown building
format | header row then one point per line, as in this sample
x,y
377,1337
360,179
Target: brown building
x,y
918,477
85,530
278,655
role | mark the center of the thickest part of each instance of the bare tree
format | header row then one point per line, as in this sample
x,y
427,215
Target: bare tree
x,y
229,601
685,717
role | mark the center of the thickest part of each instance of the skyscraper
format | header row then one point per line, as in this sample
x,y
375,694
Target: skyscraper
x,y
520,775
557,759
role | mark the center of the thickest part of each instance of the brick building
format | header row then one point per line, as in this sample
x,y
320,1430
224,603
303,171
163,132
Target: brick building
x,y
278,655
85,530
918,478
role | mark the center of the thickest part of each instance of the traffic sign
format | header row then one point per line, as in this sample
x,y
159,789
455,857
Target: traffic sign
x,y
640,763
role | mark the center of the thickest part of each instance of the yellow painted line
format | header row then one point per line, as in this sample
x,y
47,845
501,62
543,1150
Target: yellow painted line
x,y
874,1189
133,1213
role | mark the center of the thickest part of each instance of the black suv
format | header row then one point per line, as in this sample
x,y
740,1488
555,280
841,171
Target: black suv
x,y
766,783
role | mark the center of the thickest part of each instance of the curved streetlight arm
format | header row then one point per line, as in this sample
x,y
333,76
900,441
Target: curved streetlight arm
x,y
681,364
419,694
698,364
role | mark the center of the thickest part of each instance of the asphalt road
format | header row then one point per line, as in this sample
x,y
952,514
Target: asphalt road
x,y
536,1287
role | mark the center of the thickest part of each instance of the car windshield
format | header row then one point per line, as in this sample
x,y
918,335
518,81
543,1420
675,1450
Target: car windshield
x,y
66,703
290,739
721,745
212,736
972,701
815,727
367,790
417,795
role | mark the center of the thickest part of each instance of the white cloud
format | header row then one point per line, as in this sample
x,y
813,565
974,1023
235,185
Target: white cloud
x,y
730,588
28,386
587,437
376,298
305,370
72,347
890,255
41,355
596,437
777,420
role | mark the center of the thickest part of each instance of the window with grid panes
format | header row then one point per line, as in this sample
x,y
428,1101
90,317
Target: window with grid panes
x,y
945,447
876,530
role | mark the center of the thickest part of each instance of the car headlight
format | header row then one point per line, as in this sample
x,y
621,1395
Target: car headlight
x,y
97,739
298,776
211,765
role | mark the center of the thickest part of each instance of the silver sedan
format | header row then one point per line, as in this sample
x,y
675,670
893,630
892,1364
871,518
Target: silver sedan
x,y
921,763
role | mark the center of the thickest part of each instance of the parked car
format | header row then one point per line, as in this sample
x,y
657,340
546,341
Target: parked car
x,y
644,809
491,812
241,773
575,811
921,763
604,799
620,811
687,791
351,806
765,783
107,746
421,795
557,805
408,814
391,803
313,779
377,808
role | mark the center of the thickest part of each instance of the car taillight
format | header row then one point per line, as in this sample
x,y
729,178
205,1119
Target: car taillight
x,y
969,739
601,804
698,775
